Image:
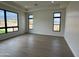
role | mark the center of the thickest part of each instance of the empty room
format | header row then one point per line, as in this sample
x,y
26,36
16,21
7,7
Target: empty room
x,y
39,29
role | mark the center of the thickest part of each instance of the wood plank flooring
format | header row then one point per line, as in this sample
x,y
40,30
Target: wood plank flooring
x,y
32,45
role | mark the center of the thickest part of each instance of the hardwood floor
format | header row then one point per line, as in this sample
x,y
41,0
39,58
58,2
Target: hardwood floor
x,y
32,45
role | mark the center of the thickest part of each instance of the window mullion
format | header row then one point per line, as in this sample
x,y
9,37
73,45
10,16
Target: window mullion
x,y
5,21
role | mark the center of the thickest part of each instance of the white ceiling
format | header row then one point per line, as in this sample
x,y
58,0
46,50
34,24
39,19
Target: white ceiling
x,y
30,5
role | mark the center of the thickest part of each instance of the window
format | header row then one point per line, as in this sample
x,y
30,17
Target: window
x,y
31,21
12,23
8,21
2,22
56,21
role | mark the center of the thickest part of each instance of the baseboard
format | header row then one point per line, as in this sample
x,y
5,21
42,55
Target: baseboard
x,y
46,34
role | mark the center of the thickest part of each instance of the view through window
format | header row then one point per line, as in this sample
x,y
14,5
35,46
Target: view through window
x,y
8,21
31,21
2,22
57,21
12,23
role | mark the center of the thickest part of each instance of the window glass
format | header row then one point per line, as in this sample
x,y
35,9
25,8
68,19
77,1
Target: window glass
x,y
8,21
11,19
56,20
9,29
56,14
30,16
15,29
56,27
30,21
2,31
2,21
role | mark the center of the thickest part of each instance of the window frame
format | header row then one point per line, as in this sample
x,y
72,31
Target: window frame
x,y
5,20
17,21
57,24
28,21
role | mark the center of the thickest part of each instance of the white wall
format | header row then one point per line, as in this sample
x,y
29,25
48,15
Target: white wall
x,y
72,27
43,22
22,22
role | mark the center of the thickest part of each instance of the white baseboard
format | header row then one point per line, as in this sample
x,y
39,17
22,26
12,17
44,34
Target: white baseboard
x,y
47,34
